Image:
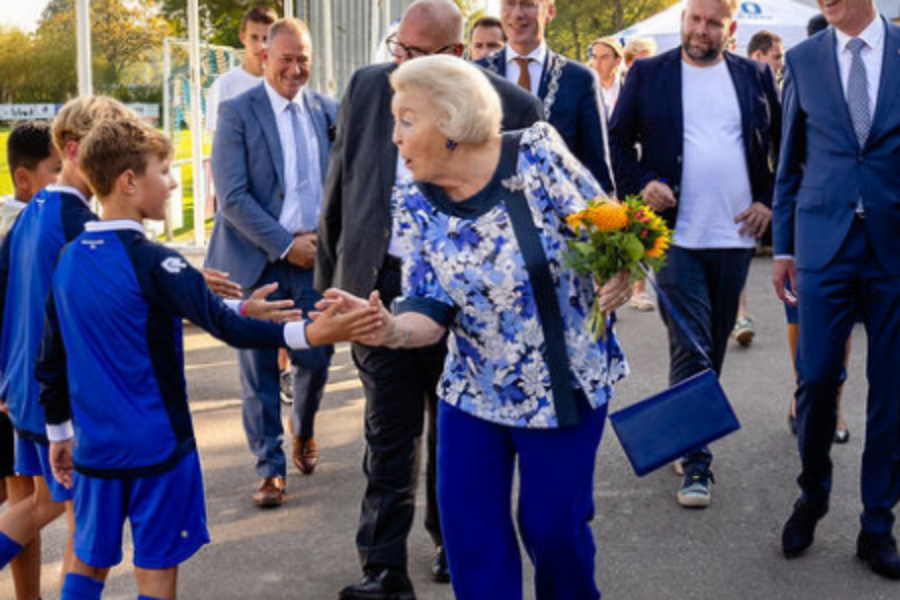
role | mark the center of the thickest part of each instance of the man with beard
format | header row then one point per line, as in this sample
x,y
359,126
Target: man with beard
x,y
708,123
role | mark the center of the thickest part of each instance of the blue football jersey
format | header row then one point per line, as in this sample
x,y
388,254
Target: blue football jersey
x,y
54,217
112,360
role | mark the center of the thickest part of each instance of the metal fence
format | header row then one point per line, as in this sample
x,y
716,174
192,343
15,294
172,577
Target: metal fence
x,y
345,35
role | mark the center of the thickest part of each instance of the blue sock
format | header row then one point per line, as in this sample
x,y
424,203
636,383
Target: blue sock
x,y
81,587
8,550
143,597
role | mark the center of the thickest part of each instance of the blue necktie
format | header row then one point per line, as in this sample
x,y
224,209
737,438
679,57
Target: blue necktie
x,y
301,161
858,93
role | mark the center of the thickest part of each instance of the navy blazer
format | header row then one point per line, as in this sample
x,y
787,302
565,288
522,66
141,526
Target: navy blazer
x,y
823,172
649,113
573,105
248,170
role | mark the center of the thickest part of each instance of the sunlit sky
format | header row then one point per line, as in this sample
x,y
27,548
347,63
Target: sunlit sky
x,y
21,13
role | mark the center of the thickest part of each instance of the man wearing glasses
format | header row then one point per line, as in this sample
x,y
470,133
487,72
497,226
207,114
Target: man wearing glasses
x,y
356,253
569,90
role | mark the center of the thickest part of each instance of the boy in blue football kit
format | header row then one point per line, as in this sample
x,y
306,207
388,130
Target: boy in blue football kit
x,y
28,256
34,163
112,371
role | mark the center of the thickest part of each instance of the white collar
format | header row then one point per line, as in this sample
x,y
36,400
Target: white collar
x,y
13,203
67,189
280,103
873,35
113,225
538,55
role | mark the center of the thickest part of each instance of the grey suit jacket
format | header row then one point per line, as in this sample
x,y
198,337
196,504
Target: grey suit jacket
x,y
248,170
355,222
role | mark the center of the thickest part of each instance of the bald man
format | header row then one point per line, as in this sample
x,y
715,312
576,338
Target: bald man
x,y
356,253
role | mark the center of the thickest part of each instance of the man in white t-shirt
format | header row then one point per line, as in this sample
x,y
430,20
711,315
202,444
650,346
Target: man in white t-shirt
x,y
708,123
254,28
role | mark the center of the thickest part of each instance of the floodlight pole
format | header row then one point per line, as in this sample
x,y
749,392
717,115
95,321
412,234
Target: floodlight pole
x,y
83,37
197,125
288,9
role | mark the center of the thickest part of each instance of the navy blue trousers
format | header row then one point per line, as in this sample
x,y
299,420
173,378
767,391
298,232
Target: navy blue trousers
x,y
476,464
260,377
829,301
705,288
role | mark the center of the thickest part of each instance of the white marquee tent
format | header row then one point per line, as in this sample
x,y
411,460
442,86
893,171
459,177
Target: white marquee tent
x,y
784,17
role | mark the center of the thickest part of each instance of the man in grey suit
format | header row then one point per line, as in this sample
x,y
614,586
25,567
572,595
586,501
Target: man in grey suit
x,y
356,254
269,157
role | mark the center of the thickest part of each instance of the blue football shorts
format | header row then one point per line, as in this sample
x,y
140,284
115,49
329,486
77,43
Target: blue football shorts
x,y
33,459
167,514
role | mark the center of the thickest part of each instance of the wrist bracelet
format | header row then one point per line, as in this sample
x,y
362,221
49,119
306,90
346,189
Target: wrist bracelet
x,y
243,309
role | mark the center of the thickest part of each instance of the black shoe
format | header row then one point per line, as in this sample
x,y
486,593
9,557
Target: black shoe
x,y
841,436
800,529
440,572
380,584
880,551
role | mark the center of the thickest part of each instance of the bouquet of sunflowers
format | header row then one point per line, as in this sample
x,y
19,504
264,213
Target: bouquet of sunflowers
x,y
615,236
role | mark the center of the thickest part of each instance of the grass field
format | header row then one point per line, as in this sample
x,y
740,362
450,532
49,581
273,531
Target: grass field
x,y
182,151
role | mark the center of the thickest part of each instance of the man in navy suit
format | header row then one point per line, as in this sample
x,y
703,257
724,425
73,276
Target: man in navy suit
x,y
708,125
837,218
569,90
269,158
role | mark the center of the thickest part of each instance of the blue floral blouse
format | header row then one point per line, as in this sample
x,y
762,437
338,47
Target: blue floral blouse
x,y
463,267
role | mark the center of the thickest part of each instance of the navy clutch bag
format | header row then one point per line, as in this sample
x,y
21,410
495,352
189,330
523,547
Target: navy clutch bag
x,y
664,427
685,417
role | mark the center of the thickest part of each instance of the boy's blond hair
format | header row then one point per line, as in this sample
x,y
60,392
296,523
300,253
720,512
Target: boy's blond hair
x,y
75,120
117,145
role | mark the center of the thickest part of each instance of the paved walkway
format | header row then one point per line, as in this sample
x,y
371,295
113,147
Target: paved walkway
x,y
649,548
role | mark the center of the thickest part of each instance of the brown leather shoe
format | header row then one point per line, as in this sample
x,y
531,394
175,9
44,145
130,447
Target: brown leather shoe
x,y
270,493
305,454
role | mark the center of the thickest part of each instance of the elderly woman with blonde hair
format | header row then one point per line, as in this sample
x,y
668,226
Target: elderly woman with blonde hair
x,y
482,226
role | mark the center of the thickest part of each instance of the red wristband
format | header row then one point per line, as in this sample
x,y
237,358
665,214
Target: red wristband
x,y
243,310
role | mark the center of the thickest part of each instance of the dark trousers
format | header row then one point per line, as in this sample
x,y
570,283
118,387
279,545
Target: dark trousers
x,y
705,288
829,301
400,388
260,377
477,461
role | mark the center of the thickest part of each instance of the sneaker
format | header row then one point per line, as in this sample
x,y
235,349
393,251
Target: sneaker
x,y
695,492
642,302
743,331
678,467
287,387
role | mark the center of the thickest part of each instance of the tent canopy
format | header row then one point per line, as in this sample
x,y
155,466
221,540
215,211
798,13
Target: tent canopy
x,y
785,17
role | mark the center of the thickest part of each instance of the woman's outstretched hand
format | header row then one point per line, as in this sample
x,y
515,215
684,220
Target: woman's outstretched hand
x,y
279,311
378,336
615,292
342,317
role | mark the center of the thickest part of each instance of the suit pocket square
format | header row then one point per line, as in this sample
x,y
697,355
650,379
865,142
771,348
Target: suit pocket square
x,y
668,425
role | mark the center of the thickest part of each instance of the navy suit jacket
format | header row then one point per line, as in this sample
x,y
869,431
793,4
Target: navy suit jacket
x,y
573,105
649,112
823,172
248,170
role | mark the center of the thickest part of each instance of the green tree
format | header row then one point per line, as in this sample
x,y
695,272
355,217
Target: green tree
x,y
123,34
579,22
220,20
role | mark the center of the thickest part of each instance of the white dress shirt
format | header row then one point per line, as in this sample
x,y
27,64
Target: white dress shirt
x,y
535,68
872,56
302,183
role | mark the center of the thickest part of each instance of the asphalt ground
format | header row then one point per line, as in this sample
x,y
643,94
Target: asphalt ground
x,y
649,548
